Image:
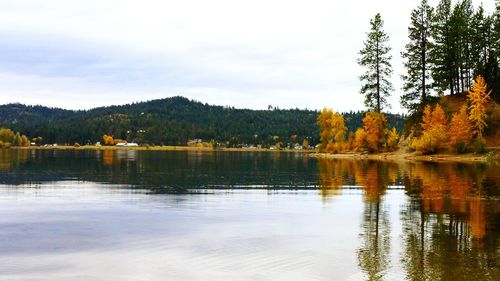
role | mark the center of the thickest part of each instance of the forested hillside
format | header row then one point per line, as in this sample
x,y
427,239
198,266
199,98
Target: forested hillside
x,y
171,121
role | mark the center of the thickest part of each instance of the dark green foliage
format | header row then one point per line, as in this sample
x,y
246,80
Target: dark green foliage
x,y
442,52
416,59
480,146
171,121
377,61
466,45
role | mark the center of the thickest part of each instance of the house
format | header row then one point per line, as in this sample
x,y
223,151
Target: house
x,y
125,144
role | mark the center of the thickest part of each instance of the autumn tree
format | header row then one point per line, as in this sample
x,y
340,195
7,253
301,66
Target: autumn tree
x,y
416,58
332,130
377,61
435,131
359,139
478,99
374,124
108,140
305,144
460,131
392,139
6,135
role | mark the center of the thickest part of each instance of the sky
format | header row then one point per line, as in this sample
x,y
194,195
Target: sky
x,y
246,54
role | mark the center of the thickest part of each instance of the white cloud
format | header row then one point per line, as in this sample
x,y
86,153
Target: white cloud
x,y
81,54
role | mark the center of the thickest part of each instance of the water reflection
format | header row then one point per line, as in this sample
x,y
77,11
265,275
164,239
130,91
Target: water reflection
x,y
380,220
161,172
451,225
450,221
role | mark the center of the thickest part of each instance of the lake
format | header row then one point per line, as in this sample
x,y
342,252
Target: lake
x,y
173,215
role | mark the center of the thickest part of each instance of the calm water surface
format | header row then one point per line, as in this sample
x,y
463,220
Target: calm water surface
x,y
142,215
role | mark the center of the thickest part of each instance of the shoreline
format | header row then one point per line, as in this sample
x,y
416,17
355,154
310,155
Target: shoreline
x,y
407,156
160,148
396,156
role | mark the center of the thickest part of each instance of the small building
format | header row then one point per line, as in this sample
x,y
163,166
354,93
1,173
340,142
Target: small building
x,y
127,144
131,144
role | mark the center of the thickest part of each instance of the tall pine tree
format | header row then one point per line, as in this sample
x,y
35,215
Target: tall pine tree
x,y
416,59
376,59
441,56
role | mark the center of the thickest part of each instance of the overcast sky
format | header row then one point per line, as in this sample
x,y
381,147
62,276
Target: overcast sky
x,y
247,54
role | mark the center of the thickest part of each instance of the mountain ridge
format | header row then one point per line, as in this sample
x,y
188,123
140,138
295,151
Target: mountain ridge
x,y
171,121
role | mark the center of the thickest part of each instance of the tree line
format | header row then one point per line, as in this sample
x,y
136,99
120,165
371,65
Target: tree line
x,y
172,121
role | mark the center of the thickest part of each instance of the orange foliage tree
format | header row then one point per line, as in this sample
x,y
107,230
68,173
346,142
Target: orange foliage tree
x,y
108,140
359,138
374,124
435,131
460,131
479,98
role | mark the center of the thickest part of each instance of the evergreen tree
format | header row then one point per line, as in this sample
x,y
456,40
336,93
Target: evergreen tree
x,y
463,13
441,55
482,36
376,59
417,79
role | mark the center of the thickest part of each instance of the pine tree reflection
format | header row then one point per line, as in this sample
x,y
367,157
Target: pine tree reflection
x,y
373,255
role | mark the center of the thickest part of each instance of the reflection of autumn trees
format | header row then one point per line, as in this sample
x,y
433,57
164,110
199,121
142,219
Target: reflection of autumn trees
x,y
331,176
450,222
107,157
450,189
12,158
372,177
448,228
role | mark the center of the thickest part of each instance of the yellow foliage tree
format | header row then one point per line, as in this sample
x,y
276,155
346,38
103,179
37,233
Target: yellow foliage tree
x,y
305,144
324,127
392,139
374,124
460,131
332,131
479,98
359,138
435,131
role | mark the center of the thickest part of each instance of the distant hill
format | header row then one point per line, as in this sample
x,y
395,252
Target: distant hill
x,y
171,121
